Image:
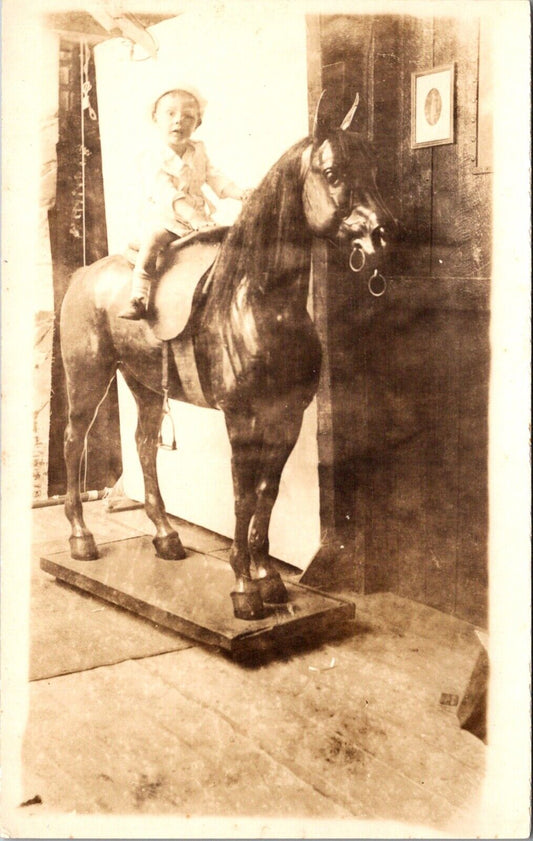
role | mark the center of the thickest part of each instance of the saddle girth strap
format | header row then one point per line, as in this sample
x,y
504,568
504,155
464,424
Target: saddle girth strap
x,y
185,357
185,360
164,374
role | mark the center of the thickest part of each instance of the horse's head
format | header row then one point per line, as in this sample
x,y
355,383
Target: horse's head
x,y
340,196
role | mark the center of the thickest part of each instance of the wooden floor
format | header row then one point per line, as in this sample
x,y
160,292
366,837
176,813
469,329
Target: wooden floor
x,y
128,718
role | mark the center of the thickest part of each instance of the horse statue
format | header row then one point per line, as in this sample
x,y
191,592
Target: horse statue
x,y
249,343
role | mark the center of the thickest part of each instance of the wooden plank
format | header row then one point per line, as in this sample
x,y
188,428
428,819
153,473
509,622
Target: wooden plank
x,y
50,524
385,71
346,39
461,218
194,537
378,727
335,564
192,597
326,461
314,70
400,677
72,631
414,186
472,498
441,462
353,727
359,760
132,743
397,413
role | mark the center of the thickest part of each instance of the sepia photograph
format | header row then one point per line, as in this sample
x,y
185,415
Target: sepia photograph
x,y
265,545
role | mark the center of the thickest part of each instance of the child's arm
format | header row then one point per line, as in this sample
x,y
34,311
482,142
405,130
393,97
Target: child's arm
x,y
224,187
177,202
232,191
185,212
221,185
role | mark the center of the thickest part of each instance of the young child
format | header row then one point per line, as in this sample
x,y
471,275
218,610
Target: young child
x,y
174,202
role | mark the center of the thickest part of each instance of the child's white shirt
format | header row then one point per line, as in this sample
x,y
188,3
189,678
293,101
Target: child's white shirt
x,y
171,187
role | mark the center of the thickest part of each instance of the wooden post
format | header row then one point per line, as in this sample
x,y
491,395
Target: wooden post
x,y
78,232
334,563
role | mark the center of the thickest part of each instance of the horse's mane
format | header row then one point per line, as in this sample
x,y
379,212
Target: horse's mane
x,y
269,232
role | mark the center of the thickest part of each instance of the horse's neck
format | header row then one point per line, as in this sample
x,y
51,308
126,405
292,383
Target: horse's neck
x,y
282,259
267,251
290,268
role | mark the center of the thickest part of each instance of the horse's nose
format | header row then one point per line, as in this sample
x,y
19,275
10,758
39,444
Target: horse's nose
x,y
380,237
385,234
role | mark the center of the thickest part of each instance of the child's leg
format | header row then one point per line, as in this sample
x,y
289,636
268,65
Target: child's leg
x,y
144,270
146,260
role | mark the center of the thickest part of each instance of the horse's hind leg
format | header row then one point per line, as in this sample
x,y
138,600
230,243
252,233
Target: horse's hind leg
x,y
85,392
166,541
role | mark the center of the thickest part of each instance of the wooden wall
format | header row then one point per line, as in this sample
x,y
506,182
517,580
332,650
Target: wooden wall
x,y
404,394
66,239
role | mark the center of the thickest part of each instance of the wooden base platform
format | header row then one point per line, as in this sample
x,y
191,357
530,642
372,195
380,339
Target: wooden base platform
x,y
192,597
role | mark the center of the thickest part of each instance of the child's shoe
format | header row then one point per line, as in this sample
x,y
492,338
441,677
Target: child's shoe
x,y
135,310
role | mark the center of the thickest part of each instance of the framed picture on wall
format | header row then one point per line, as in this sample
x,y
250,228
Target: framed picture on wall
x,y
432,101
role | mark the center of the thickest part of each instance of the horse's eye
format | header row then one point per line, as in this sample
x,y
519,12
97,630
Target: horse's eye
x,y
332,177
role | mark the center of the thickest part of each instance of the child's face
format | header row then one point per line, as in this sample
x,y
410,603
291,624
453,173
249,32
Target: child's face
x,y
176,117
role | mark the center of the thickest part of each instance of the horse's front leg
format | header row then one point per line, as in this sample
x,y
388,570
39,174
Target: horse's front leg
x,y
246,453
280,437
166,541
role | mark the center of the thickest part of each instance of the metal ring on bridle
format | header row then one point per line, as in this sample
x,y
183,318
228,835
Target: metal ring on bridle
x,y
357,249
379,277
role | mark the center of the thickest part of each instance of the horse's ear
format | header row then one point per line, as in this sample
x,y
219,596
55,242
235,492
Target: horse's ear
x,y
346,123
320,122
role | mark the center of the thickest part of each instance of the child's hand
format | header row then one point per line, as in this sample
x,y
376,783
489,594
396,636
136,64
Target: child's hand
x,y
197,222
233,191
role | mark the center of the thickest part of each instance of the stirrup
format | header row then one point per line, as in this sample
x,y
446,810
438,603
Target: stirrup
x,y
165,408
166,413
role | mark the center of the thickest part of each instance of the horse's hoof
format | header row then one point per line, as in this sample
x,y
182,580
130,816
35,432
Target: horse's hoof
x,y
248,605
83,548
170,547
272,589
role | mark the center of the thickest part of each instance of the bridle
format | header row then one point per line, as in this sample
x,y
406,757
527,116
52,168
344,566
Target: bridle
x,y
377,284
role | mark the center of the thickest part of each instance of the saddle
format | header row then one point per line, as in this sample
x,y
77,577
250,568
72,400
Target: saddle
x,y
179,270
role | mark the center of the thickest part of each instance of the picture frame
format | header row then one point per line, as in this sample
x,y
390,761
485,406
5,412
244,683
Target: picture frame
x,y
432,106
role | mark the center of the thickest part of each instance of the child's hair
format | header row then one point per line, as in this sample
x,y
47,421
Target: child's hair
x,y
200,105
